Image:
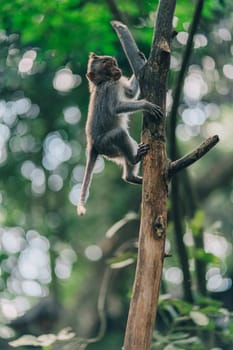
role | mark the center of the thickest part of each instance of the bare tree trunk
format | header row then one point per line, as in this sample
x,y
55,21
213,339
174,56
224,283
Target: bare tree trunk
x,y
157,171
152,78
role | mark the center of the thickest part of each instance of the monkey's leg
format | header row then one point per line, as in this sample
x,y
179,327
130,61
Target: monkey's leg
x,y
133,152
130,173
131,170
131,155
117,144
108,144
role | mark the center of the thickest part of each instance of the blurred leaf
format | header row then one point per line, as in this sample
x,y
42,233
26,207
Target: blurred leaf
x,y
201,255
208,302
65,334
171,347
43,340
197,222
121,223
179,335
211,8
190,340
122,260
199,318
3,256
231,328
171,311
182,306
210,310
184,13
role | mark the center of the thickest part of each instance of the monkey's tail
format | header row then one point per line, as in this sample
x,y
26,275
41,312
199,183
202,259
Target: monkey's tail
x,y
81,210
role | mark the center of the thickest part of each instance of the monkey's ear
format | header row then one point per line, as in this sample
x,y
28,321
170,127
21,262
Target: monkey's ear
x,y
90,76
92,55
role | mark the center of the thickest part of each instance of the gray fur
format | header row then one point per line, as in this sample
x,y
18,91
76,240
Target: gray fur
x,y
112,99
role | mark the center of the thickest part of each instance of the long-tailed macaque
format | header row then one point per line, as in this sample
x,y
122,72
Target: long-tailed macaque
x,y
112,99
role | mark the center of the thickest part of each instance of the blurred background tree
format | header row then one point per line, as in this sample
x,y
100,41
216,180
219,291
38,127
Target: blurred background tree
x,y
52,262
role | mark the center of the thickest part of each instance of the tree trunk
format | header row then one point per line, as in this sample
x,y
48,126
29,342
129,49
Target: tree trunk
x,y
157,171
153,80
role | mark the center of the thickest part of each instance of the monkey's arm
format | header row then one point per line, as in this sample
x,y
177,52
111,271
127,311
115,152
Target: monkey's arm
x,y
140,105
136,58
132,87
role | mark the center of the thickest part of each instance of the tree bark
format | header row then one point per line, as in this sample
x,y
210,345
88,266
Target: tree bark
x,y
193,156
157,170
152,80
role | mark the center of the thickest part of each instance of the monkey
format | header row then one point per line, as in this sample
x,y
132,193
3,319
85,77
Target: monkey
x,y
112,98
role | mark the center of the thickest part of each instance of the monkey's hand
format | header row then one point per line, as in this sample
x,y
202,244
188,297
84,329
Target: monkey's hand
x,y
154,110
81,210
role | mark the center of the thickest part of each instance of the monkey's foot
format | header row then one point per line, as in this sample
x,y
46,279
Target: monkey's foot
x,y
133,179
142,151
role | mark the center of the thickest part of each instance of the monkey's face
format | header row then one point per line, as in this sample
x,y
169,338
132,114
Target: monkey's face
x,y
111,69
103,68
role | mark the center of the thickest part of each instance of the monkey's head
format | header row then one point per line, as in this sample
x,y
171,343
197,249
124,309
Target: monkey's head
x,y
102,68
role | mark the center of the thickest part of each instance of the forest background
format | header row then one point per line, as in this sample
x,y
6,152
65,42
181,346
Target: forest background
x,y
52,263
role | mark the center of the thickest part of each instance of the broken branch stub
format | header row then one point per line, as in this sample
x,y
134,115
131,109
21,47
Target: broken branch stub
x,y
193,156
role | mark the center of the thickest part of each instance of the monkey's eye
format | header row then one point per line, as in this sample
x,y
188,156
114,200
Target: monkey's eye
x,y
106,60
108,64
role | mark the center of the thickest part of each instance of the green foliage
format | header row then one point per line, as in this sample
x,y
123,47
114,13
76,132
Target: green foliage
x,y
197,222
192,326
184,14
212,8
207,258
45,341
122,260
39,226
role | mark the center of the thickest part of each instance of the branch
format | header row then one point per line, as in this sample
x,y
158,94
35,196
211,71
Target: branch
x,y
136,58
180,79
179,228
117,14
174,154
163,33
193,156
